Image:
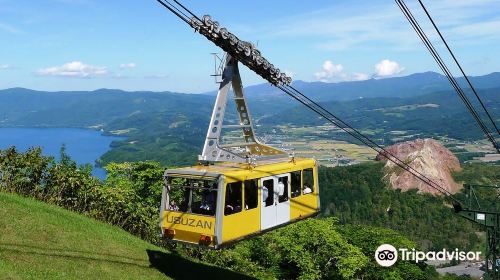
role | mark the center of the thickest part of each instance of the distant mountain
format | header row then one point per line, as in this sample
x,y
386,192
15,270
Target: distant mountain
x,y
438,113
407,86
170,127
25,107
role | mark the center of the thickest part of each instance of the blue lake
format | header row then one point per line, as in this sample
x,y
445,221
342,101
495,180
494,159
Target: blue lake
x,y
82,145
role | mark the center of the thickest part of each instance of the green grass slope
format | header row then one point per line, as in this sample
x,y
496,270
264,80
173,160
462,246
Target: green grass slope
x,y
41,241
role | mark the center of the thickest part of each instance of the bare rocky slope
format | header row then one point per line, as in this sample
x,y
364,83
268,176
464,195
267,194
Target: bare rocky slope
x,y
428,157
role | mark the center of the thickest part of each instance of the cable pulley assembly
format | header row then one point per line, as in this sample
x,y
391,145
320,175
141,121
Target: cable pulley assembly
x,y
243,51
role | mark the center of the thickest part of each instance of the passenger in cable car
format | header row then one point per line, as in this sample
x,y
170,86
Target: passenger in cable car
x,y
202,198
251,193
282,189
268,188
173,206
265,192
307,189
295,183
308,181
232,208
237,206
228,210
233,198
281,186
208,200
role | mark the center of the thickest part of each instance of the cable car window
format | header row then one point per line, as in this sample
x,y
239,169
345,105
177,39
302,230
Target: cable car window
x,y
178,194
233,198
192,195
204,198
267,192
282,189
251,193
308,177
295,182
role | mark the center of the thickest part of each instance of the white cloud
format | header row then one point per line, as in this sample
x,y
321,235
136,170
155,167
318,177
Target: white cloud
x,y
330,72
387,67
5,66
128,65
360,76
335,73
75,69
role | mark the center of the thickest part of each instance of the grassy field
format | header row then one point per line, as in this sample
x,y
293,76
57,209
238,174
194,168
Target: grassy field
x,y
40,241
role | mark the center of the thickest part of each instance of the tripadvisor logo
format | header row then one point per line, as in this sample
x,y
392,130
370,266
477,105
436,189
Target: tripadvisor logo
x,y
386,255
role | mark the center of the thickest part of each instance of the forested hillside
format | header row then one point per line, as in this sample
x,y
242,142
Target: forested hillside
x,y
169,137
358,195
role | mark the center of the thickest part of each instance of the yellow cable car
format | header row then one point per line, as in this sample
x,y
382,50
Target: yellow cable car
x,y
237,190
219,204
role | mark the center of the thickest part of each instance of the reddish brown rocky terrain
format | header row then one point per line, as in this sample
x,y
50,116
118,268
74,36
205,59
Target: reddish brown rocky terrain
x,y
428,157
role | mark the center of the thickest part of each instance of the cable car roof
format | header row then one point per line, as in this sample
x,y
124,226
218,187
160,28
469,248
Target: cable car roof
x,y
239,171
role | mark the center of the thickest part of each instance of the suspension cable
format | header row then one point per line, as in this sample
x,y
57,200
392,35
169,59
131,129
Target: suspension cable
x,y
442,65
459,66
444,68
186,9
430,47
174,10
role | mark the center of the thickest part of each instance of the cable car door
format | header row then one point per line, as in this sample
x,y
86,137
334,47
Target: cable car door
x,y
268,209
275,208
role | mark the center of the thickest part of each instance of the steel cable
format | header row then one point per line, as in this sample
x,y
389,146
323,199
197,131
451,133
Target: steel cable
x,y
459,66
430,47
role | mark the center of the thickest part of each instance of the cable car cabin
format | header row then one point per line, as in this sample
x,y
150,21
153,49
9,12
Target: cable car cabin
x,y
219,204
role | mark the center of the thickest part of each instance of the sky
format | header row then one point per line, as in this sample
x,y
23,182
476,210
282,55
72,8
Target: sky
x,y
133,45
